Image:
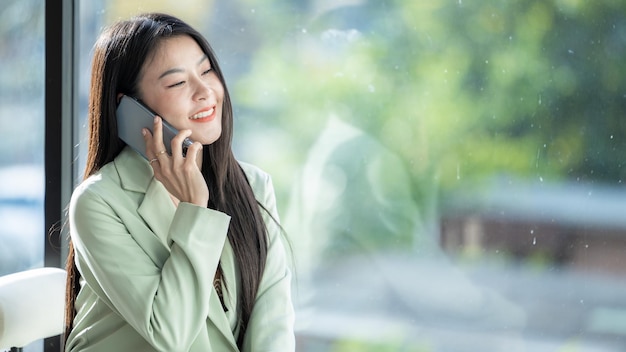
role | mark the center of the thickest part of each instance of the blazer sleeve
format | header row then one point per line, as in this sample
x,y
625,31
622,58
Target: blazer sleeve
x,y
167,305
271,326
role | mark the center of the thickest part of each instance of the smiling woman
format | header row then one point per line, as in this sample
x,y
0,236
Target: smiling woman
x,y
182,253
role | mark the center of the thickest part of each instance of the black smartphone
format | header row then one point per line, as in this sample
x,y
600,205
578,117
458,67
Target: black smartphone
x,y
132,116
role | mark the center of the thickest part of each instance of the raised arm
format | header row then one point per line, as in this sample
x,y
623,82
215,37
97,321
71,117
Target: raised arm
x,y
163,295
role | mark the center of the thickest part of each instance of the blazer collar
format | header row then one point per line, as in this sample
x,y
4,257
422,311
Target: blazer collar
x,y
156,208
134,171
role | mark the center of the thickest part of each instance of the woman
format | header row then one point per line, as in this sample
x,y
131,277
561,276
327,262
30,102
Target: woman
x,y
176,252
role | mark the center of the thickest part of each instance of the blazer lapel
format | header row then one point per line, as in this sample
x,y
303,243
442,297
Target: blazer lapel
x,y
217,318
156,208
220,319
227,261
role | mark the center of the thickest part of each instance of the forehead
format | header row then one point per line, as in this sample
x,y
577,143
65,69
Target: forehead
x,y
177,51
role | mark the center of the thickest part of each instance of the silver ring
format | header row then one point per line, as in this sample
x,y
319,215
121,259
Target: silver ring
x,y
153,160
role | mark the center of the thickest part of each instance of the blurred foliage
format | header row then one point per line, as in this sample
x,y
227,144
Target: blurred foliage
x,y
21,48
459,90
123,9
22,69
390,346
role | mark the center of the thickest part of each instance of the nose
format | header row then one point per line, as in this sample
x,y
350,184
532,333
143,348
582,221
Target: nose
x,y
202,88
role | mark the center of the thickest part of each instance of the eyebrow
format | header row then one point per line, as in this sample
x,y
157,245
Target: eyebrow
x,y
176,70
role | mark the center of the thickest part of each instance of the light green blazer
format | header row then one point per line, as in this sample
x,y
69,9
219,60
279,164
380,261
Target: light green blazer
x,y
147,269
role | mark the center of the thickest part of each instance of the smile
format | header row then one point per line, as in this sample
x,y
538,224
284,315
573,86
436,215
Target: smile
x,y
203,114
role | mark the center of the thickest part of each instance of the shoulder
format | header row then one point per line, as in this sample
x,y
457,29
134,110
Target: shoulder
x,y
101,185
262,186
260,181
103,179
127,173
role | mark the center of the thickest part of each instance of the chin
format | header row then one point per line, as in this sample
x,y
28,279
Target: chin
x,y
209,139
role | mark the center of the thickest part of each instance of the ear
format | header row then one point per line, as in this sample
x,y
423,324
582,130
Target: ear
x,y
119,97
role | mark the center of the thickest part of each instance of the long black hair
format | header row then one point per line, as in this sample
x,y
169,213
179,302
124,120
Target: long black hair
x,y
119,55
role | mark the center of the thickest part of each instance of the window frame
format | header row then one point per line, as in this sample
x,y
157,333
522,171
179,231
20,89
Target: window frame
x,y
60,107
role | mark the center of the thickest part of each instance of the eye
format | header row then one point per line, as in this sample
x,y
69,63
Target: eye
x,y
177,84
206,72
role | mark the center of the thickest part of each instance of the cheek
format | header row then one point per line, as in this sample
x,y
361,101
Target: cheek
x,y
162,105
217,87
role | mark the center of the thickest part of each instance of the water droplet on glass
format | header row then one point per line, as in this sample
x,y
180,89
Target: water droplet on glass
x,y
534,241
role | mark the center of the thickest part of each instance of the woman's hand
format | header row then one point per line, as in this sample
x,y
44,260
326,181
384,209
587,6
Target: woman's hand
x,y
179,174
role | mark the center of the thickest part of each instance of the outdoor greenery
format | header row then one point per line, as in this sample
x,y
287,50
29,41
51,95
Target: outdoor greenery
x,y
460,90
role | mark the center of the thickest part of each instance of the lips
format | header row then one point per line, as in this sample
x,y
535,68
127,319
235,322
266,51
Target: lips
x,y
207,114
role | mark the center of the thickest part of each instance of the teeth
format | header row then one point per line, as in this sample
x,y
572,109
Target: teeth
x,y
202,114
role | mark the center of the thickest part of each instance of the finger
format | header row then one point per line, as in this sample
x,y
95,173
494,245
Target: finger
x,y
157,139
147,138
177,142
160,153
192,152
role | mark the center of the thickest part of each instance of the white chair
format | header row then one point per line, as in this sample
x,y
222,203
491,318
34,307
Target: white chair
x,y
31,306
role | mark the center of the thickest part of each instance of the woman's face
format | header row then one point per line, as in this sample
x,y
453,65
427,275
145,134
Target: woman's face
x,y
179,84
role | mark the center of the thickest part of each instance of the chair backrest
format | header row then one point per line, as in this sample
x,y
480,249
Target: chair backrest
x,y
31,306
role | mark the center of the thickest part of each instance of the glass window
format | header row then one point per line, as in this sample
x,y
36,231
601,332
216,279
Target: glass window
x,y
448,173
22,65
22,128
